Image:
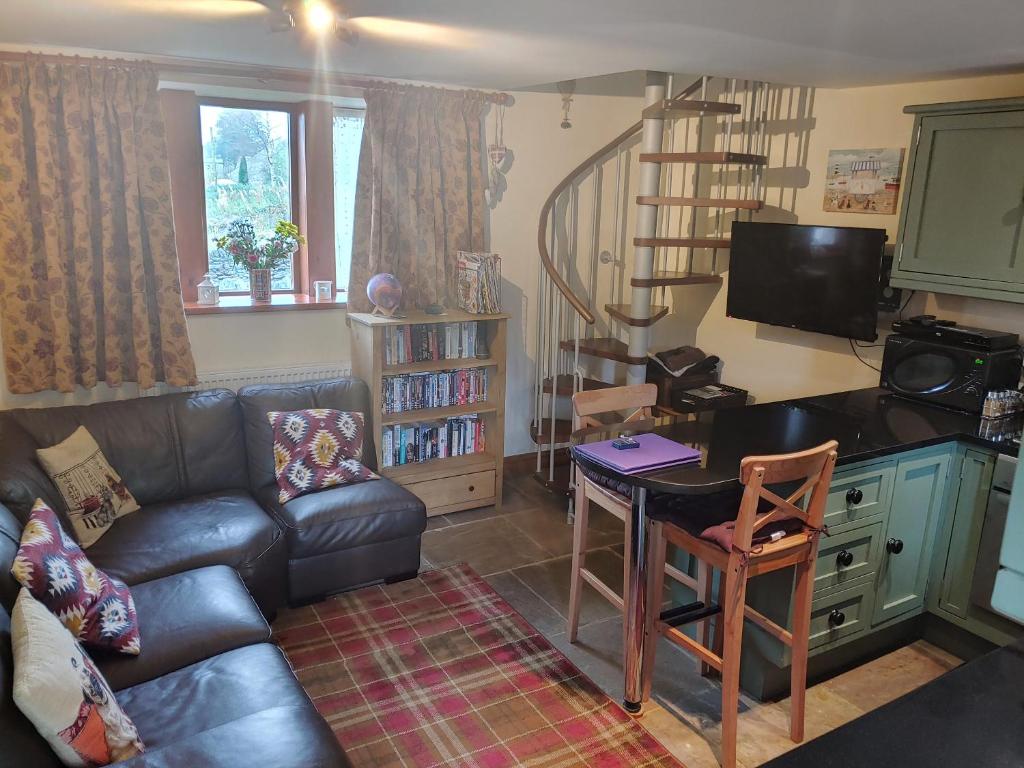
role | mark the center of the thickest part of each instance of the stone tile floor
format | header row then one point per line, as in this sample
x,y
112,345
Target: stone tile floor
x,y
523,552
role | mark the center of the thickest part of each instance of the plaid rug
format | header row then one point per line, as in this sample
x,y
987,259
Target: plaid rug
x,y
441,671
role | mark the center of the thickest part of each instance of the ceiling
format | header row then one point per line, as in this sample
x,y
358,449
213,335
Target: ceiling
x,y
520,43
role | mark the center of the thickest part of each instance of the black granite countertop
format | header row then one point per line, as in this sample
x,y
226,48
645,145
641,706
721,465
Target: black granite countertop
x,y
867,423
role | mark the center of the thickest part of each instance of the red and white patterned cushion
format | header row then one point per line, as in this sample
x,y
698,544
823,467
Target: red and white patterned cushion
x,y
97,609
315,449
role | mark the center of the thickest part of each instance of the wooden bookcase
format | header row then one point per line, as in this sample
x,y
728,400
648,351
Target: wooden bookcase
x,y
455,483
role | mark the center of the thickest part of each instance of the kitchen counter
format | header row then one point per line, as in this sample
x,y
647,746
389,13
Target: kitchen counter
x,y
868,423
973,715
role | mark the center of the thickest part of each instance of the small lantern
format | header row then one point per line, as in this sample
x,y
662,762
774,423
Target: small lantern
x,y
209,293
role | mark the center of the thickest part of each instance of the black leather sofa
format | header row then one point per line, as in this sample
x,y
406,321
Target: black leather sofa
x,y
208,688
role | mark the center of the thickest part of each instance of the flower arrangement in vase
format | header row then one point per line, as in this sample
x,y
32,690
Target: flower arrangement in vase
x,y
258,257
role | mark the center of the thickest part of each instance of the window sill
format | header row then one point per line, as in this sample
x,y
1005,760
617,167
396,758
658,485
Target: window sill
x,y
280,302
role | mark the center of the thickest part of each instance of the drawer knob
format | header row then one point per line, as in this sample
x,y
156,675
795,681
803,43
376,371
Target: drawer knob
x,y
836,618
854,496
844,559
472,488
894,546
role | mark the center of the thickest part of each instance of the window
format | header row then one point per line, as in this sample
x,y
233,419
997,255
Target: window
x,y
247,169
348,136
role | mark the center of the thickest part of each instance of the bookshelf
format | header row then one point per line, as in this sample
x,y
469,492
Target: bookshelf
x,y
453,483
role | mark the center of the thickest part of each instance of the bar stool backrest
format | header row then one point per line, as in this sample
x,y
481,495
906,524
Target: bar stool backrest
x,y
639,399
813,466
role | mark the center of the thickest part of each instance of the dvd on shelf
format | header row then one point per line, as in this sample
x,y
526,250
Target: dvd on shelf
x,y
414,443
423,343
439,389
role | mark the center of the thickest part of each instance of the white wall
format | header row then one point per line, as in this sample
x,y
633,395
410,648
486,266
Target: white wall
x,y
775,363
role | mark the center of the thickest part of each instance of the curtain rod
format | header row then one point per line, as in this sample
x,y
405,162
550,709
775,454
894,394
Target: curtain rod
x,y
250,72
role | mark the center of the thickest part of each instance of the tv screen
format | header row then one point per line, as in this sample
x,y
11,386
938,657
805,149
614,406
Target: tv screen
x,y
822,279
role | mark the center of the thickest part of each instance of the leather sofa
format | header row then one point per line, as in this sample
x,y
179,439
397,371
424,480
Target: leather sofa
x,y
209,689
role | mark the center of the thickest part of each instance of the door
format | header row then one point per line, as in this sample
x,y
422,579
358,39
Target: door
x,y
918,494
965,532
965,208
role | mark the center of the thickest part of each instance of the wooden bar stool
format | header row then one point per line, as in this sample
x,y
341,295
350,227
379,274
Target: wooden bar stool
x,y
784,536
639,399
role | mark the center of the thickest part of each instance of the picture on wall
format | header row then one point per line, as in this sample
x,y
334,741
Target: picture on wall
x,y
863,180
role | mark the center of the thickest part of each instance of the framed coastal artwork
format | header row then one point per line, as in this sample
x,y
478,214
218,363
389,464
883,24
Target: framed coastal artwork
x,y
863,180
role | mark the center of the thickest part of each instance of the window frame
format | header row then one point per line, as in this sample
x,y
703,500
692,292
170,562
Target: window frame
x,y
296,174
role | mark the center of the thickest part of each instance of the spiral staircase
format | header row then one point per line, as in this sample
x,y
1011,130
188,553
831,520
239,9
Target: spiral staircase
x,y
676,179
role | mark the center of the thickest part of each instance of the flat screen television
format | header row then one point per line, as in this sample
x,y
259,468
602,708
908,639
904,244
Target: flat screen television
x,y
821,279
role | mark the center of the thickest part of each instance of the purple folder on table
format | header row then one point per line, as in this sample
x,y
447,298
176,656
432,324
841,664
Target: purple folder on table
x,y
655,452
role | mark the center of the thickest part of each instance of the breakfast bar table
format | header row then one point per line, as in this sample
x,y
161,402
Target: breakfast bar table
x,y
867,423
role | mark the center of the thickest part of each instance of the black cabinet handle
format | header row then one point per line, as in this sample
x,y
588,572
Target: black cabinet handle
x,y
844,559
894,546
854,496
472,488
836,618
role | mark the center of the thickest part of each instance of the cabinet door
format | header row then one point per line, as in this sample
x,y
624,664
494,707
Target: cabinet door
x,y
918,494
966,201
965,531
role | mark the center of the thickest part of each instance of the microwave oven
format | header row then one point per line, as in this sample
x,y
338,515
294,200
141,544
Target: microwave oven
x,y
947,374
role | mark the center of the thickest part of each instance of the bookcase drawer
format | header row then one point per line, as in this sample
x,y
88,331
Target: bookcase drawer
x,y
450,492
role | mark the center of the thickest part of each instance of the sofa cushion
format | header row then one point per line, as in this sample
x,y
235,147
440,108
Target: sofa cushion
x,y
10,540
186,618
317,448
22,479
165,447
226,528
346,516
60,690
212,692
94,493
258,400
280,736
20,743
97,609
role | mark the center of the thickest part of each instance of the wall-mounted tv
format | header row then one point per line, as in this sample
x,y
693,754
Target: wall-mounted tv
x,y
821,279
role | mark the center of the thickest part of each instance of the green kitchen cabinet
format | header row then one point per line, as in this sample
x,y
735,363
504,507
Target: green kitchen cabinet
x,y
919,491
963,203
961,532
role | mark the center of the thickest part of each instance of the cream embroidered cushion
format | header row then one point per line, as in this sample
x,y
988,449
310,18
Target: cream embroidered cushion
x,y
93,491
61,692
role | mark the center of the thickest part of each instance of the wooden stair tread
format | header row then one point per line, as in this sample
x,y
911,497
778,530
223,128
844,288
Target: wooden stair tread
x,y
668,277
701,202
741,158
563,428
607,348
624,312
681,242
672,107
564,384
558,486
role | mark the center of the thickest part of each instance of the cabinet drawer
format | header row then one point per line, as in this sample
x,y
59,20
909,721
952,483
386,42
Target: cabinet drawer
x,y
459,489
857,495
840,615
846,557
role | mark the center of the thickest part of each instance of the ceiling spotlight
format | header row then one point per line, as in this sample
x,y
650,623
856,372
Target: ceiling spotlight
x,y
320,17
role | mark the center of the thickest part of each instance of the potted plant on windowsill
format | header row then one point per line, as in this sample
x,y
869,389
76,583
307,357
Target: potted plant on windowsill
x,y
257,257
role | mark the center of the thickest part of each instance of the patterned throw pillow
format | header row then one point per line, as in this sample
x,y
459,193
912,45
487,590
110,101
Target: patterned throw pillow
x,y
93,491
59,689
316,449
97,609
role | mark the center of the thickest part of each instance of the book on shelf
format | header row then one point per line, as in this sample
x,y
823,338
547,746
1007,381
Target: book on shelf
x,y
414,443
433,341
438,389
479,282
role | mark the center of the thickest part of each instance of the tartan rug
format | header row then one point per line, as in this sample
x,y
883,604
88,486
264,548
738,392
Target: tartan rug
x,y
441,671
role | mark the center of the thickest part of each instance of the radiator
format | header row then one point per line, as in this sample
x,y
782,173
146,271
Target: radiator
x,y
235,379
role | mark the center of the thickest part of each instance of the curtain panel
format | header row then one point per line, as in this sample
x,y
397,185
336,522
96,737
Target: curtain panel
x,y
420,191
88,268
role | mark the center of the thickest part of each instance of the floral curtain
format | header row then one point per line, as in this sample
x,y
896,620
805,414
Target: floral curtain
x,y
88,269
420,191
